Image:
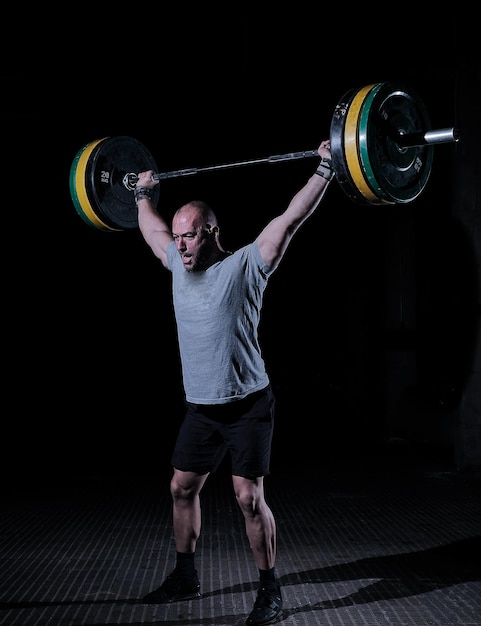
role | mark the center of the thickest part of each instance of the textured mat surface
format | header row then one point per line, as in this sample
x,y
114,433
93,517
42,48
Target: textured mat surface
x,y
391,541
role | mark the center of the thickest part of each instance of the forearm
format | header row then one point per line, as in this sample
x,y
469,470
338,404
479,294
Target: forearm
x,y
152,225
308,198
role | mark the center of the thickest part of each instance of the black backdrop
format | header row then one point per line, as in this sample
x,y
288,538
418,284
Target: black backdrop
x,y
93,380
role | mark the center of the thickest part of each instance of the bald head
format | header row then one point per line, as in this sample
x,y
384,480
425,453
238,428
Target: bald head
x,y
197,213
196,233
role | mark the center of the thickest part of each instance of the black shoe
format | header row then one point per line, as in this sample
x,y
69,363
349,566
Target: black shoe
x,y
267,607
175,587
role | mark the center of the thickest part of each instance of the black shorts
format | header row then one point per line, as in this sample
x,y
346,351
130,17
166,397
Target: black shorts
x,y
243,428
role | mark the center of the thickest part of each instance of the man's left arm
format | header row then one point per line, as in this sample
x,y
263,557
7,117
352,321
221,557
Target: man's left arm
x,y
276,236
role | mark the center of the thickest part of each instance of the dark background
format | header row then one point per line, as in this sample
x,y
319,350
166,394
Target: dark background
x,y
92,375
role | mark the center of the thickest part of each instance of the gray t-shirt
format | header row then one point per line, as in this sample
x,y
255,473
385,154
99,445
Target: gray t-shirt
x,y
217,312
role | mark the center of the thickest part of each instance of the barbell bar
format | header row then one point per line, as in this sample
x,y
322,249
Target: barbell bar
x,y
381,147
130,178
443,135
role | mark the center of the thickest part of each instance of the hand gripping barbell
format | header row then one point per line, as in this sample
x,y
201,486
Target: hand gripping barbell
x,y
381,147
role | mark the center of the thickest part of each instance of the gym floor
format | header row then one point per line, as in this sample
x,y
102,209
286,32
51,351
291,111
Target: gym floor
x,y
392,537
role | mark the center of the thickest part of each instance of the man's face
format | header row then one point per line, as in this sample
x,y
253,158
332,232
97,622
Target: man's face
x,y
192,240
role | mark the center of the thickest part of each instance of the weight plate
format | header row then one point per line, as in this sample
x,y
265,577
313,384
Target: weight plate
x,y
338,123
108,184
398,174
351,147
362,147
78,188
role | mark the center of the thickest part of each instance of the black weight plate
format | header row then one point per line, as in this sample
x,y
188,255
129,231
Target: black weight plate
x,y
339,163
109,189
400,173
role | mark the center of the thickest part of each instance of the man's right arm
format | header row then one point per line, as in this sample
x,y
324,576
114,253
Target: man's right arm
x,y
154,228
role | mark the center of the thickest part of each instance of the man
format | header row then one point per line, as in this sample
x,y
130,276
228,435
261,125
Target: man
x,y
217,297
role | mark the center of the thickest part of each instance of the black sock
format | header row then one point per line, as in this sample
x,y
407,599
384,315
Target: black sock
x,y
267,576
185,563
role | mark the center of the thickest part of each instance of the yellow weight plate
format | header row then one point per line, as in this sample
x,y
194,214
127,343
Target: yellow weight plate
x,y
351,146
362,133
80,177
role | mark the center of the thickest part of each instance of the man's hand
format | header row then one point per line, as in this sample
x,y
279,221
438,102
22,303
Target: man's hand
x,y
144,179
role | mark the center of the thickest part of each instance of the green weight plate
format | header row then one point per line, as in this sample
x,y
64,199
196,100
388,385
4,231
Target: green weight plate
x,y
108,186
397,174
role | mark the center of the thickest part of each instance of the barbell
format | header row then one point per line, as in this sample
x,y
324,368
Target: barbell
x,y
381,148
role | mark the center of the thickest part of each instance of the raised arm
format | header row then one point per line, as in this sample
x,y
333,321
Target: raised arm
x,y
275,237
152,225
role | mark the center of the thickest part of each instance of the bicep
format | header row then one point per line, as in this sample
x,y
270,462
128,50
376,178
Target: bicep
x,y
159,242
274,239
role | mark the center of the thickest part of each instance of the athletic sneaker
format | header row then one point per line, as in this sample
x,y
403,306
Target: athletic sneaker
x,y
267,607
175,587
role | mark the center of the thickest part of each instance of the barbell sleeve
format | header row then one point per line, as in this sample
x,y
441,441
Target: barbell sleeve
x,y
413,140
